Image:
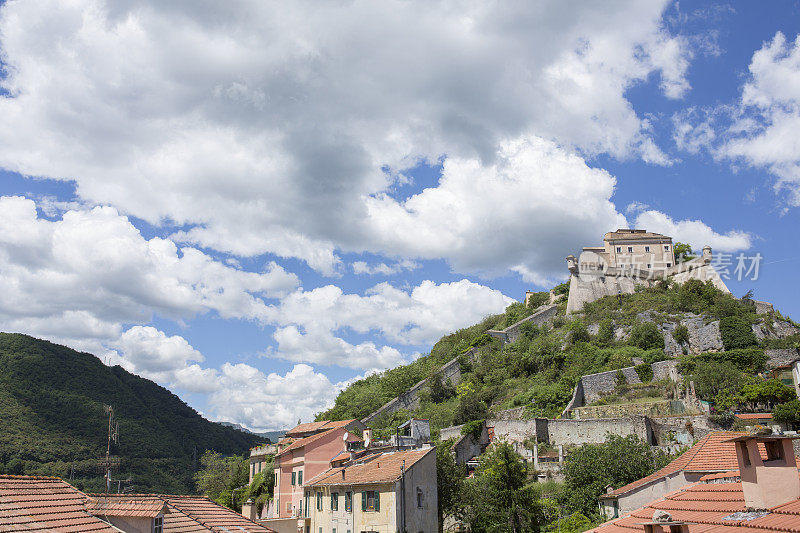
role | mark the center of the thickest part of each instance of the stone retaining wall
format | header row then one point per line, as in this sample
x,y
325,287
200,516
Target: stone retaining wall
x,y
545,314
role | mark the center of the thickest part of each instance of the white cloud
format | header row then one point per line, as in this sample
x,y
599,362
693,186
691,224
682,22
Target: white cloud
x,y
767,116
84,275
694,232
261,402
269,127
531,207
236,392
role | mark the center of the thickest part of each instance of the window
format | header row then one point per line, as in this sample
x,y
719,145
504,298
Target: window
x,y
158,524
294,478
252,469
334,530
630,249
646,248
288,507
319,501
275,475
348,502
666,247
619,249
259,467
300,477
307,495
334,501
669,265
648,265
420,498
370,500
300,513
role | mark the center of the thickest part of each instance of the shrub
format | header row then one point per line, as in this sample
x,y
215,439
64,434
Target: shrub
x,y
578,332
605,335
645,372
474,428
736,333
561,288
681,334
646,336
723,420
788,412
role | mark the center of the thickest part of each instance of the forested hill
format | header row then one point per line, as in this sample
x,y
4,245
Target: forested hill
x,y
53,421
540,369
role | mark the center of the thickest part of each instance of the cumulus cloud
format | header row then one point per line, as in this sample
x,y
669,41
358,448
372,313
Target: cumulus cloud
x,y
81,276
532,206
694,232
270,401
279,129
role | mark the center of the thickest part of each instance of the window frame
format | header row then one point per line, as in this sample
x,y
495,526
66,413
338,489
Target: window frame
x,y
348,501
319,500
158,524
294,478
420,498
334,502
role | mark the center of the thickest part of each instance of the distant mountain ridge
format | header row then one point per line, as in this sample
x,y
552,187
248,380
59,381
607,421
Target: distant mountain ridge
x,y
51,408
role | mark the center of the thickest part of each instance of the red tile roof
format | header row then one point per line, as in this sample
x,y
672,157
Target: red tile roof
x,y
29,503
144,506
709,454
313,427
708,507
377,468
753,416
189,514
300,443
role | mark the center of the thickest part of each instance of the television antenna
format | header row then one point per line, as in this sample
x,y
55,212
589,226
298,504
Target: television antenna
x,y
110,462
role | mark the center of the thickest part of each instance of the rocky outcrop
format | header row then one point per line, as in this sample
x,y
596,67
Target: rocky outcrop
x,y
703,337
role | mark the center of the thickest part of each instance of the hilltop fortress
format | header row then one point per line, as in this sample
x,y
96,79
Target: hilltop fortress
x,y
631,257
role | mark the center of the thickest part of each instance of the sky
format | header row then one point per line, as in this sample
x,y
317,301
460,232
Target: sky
x,y
256,203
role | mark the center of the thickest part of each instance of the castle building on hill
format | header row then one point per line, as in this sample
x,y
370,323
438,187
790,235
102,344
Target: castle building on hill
x,y
632,249
631,257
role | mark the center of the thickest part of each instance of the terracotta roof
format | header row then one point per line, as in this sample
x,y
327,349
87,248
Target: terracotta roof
x,y
29,503
190,514
709,454
313,427
626,234
377,468
126,505
708,508
300,443
753,416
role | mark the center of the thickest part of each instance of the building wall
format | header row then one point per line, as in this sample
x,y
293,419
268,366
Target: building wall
x,y
312,459
641,496
423,476
131,524
567,431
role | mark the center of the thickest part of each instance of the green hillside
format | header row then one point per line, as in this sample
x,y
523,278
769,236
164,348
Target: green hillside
x,y
53,421
540,369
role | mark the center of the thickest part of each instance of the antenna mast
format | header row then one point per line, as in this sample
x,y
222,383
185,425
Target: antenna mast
x,y
113,435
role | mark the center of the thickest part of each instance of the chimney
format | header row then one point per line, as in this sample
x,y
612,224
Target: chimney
x,y
767,481
249,509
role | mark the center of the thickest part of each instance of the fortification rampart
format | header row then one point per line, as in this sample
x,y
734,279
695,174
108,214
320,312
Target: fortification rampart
x,y
410,399
543,315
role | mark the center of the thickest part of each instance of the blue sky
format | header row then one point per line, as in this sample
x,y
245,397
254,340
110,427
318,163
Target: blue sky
x,y
253,207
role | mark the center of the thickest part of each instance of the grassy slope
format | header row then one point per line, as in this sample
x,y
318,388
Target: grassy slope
x,y
51,407
538,371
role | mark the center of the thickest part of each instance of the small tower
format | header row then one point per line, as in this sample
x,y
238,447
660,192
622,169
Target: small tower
x,y
770,480
572,264
706,254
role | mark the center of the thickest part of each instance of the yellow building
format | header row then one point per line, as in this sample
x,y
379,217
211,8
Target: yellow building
x,y
375,492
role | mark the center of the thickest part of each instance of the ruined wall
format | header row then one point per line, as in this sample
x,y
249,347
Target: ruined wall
x,y
654,408
545,314
410,399
682,430
595,384
574,432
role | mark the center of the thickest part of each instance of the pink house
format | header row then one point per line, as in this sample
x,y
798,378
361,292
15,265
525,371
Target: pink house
x,y
303,453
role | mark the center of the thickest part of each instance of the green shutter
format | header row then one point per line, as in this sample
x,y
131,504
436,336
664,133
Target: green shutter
x,y
377,501
364,501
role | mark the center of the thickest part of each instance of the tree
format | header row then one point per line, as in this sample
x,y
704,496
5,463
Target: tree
x,y
219,476
470,407
713,377
499,497
450,478
439,390
683,252
647,336
589,468
736,332
261,488
770,392
788,413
